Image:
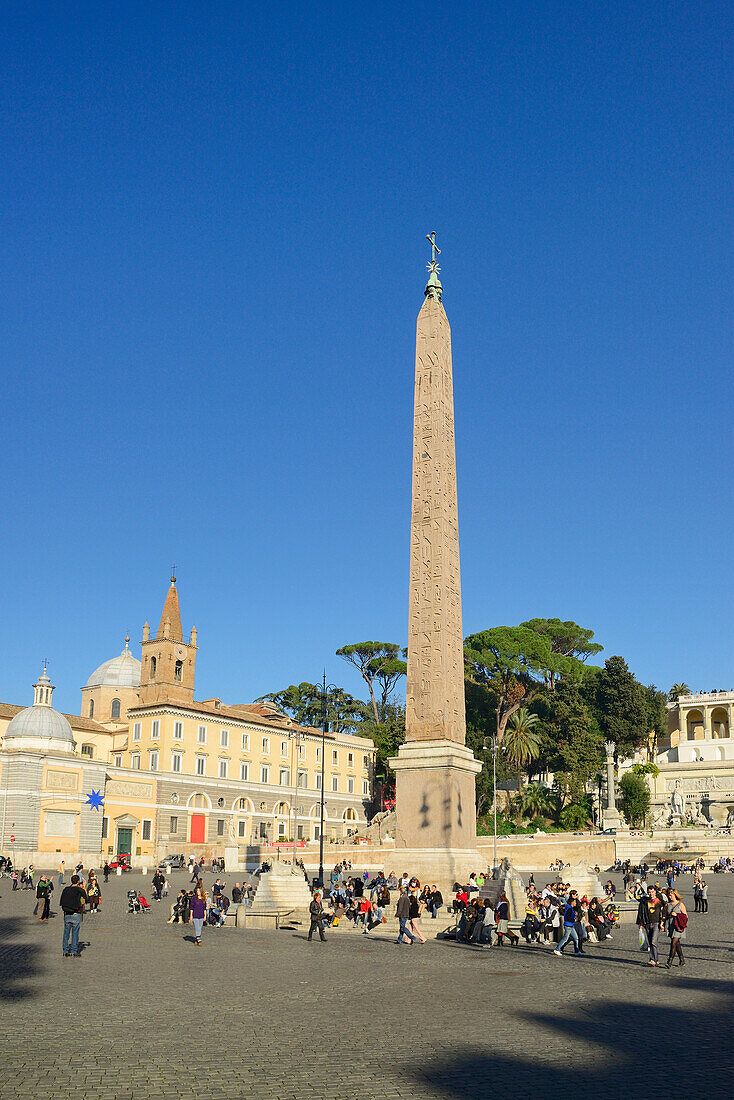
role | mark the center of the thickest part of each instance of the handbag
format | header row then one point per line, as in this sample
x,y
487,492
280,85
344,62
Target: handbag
x,y
680,922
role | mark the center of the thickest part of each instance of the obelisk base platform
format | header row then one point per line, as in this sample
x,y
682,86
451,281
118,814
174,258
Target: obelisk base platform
x,y
436,824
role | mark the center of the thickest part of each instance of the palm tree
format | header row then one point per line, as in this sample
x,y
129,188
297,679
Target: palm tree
x,y
676,691
521,741
535,800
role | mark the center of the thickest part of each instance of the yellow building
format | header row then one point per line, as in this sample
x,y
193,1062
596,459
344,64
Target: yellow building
x,y
182,775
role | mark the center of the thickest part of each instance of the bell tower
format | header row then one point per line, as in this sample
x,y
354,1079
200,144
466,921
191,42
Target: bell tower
x,y
168,662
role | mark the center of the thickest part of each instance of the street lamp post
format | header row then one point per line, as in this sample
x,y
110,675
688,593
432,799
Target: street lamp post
x,y
493,742
324,730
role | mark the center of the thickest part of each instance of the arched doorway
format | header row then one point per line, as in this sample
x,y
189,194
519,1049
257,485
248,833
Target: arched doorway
x,y
694,725
349,817
720,722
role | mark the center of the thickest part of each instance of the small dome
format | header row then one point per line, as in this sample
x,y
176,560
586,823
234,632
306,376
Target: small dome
x,y
42,722
122,671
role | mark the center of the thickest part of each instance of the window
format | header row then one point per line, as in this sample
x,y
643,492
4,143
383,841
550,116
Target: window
x,y
350,786
178,731
350,759
224,738
147,826
245,740
154,761
243,803
220,827
137,727
318,753
118,760
316,832
88,750
241,826
176,758
266,745
283,748
155,730
366,762
285,777
264,774
91,708
152,668
365,787
318,781
135,761
201,765
335,782
201,735
178,671
335,757
115,710
244,771
223,764
281,830
105,827
302,779
220,803
301,752
173,826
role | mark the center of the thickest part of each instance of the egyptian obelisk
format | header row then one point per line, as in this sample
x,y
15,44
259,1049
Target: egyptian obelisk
x,y
435,771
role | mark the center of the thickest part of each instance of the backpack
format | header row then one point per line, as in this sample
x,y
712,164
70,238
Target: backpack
x,y
680,922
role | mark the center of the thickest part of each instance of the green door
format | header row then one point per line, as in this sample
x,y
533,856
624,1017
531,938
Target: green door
x,y
124,842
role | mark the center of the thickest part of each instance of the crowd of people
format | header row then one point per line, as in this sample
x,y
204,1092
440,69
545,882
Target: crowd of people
x,y
554,915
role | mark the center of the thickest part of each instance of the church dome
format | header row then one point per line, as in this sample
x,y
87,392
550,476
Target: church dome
x,y
40,722
122,671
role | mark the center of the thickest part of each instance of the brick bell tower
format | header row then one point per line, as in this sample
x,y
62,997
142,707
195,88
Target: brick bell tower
x,y
168,662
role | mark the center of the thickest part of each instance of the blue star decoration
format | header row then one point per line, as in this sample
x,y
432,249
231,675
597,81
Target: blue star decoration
x,y
95,800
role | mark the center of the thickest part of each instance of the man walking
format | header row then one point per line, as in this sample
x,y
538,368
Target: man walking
x,y
402,912
649,920
570,931
61,873
316,911
72,902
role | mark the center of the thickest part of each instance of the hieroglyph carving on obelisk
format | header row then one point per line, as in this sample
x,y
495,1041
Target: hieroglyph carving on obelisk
x,y
435,688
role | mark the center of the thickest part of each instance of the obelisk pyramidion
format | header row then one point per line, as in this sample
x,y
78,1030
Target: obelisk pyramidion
x,y
435,772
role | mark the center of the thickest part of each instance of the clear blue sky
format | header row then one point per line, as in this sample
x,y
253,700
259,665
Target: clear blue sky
x,y
212,257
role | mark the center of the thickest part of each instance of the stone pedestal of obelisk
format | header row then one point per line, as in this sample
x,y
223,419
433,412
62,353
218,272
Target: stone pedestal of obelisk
x,y
435,773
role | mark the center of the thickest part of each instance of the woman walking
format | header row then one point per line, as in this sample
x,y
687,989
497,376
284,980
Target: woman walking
x,y
415,911
677,916
198,910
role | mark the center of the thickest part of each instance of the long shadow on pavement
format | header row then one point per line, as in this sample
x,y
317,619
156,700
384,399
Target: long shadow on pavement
x,y
19,962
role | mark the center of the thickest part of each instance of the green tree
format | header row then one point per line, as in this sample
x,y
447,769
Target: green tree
x,y
508,662
577,814
676,691
634,798
657,716
388,735
522,740
372,659
621,707
387,677
302,702
570,644
536,800
572,745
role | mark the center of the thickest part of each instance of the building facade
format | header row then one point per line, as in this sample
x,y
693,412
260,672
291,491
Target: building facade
x,y
176,775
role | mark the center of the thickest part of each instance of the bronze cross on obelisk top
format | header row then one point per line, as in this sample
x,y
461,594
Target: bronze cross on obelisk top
x,y
435,250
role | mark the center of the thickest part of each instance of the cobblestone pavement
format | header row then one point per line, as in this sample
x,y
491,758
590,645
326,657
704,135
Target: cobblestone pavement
x,y
262,1014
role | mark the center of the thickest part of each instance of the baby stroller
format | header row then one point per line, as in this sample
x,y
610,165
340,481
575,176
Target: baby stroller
x,y
136,903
